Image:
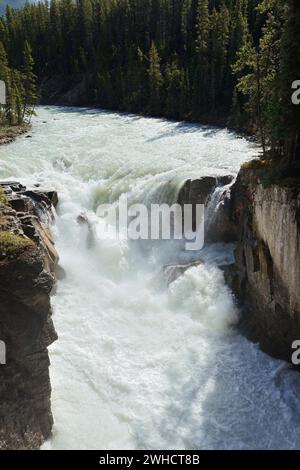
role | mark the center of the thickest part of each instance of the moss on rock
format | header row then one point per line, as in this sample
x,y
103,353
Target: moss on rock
x,y
11,243
3,199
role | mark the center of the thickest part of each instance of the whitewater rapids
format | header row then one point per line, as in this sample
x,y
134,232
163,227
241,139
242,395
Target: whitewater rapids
x,y
138,364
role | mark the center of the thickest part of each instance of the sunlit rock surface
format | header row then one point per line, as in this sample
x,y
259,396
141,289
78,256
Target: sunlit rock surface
x,y
267,274
28,262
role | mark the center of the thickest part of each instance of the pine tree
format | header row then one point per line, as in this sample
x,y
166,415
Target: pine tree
x,y
17,94
186,25
288,115
155,80
29,85
258,69
175,89
54,46
5,77
223,34
201,72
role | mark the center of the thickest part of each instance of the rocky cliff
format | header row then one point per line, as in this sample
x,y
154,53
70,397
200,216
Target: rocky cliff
x,y
265,277
28,262
266,274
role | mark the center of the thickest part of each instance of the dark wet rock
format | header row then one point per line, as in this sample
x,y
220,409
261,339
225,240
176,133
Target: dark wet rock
x,y
12,186
200,191
19,203
174,271
34,201
231,275
222,227
196,191
83,220
45,196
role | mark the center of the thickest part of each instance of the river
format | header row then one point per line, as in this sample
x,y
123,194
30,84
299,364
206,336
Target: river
x,y
139,364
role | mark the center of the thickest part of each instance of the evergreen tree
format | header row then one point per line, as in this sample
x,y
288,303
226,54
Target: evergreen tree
x,y
5,77
288,114
176,92
29,83
201,71
11,111
155,80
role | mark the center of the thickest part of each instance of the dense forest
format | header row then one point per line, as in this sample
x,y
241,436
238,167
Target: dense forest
x,y
20,88
229,62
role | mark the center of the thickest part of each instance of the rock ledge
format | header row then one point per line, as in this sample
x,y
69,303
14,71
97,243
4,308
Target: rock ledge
x,y
28,262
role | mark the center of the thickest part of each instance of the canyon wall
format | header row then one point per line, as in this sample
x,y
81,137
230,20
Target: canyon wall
x,y
28,262
264,222
266,274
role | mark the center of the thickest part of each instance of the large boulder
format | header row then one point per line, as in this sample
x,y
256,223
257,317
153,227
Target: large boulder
x,y
213,192
199,191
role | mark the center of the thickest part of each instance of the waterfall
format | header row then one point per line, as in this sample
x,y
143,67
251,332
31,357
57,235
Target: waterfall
x,y
141,364
215,201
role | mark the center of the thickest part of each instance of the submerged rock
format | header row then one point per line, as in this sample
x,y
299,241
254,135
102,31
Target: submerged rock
x,y
174,271
83,219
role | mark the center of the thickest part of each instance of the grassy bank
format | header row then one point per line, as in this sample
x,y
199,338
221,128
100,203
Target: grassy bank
x,y
10,133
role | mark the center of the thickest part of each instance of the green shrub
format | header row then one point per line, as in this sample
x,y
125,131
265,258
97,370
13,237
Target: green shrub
x,y
256,164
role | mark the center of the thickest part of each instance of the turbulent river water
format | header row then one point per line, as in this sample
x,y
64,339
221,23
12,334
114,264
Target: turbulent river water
x,y
139,364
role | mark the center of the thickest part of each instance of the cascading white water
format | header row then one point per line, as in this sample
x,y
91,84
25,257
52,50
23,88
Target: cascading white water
x,y
139,364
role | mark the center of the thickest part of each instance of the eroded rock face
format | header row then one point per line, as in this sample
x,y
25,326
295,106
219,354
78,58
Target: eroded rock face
x,y
27,277
266,275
